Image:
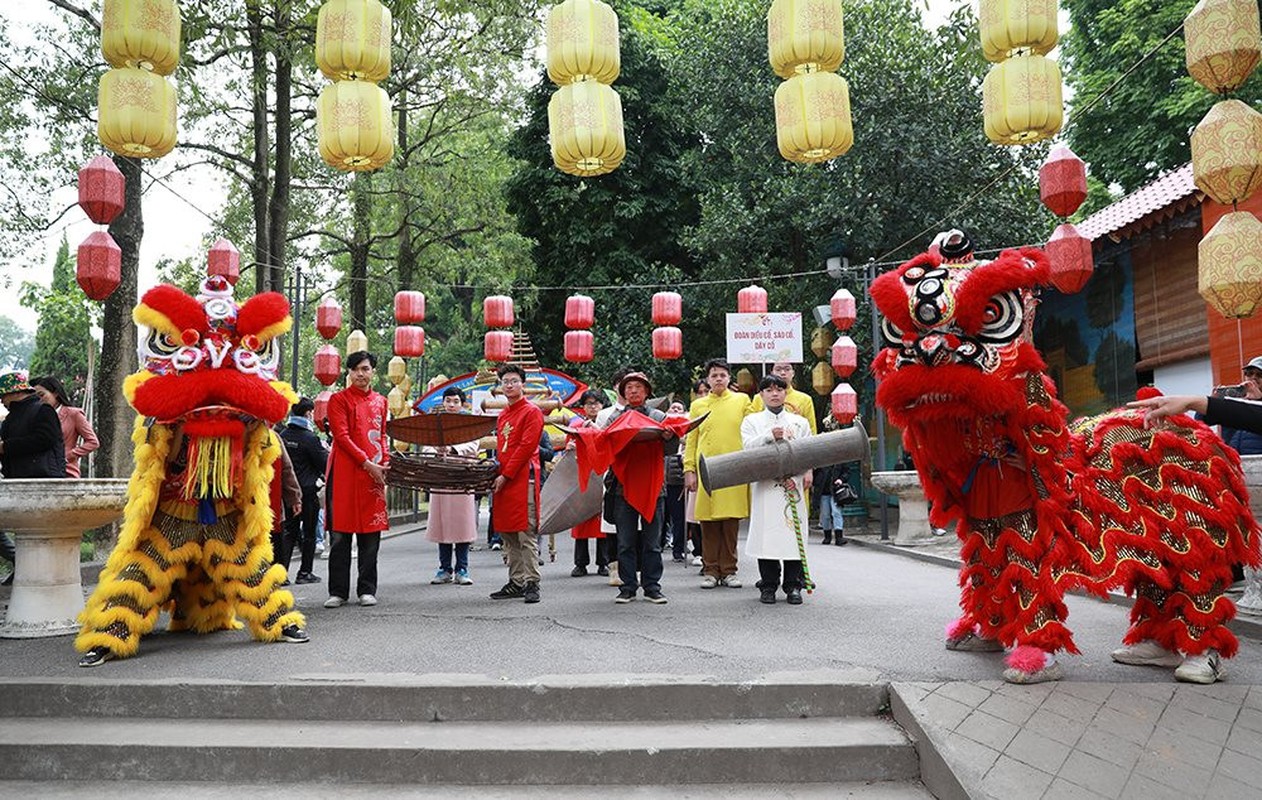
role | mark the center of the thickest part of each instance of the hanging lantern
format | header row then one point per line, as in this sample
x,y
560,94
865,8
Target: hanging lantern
x,y
844,403
823,378
144,34
101,190
744,380
137,113
1021,100
1230,258
585,129
409,307
497,311
1017,27
497,345
805,36
409,341
327,364
843,309
397,402
1223,43
845,356
751,300
1063,181
580,311
353,40
1072,261
322,408
328,317
356,341
813,117
1227,152
354,126
224,260
668,343
582,42
397,370
580,346
99,266
821,343
668,308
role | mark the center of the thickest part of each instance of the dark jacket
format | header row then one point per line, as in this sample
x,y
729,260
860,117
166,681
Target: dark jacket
x,y
308,454
1239,414
33,444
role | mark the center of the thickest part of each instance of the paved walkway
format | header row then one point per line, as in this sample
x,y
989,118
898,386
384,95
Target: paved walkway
x,y
1107,731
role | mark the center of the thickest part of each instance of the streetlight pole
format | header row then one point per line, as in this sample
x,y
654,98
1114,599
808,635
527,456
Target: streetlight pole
x,y
869,277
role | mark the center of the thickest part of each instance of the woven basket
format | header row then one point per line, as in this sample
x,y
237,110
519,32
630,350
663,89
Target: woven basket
x,y
442,473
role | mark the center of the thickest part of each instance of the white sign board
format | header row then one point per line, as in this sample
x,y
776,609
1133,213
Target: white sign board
x,y
764,338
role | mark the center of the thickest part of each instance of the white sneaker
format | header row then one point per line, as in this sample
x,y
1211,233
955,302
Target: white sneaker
x,y
696,561
324,554
732,582
709,582
334,602
1147,653
1205,668
367,600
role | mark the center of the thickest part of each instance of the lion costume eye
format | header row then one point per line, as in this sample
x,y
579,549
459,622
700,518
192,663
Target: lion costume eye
x,y
161,344
1002,318
890,333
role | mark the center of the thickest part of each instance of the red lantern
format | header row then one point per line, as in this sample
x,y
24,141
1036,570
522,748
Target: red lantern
x,y
668,343
580,312
842,308
101,190
845,404
409,341
322,408
1070,254
224,260
497,311
1063,181
752,300
328,365
100,265
845,356
328,317
579,346
668,308
497,345
409,308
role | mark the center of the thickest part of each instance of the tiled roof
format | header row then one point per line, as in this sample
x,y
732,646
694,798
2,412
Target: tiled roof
x,y
1164,197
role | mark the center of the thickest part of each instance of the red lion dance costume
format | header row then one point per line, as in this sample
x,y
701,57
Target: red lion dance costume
x,y
195,535
1044,505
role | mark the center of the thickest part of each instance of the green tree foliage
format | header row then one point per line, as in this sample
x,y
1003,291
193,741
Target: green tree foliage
x,y
16,344
1142,127
63,339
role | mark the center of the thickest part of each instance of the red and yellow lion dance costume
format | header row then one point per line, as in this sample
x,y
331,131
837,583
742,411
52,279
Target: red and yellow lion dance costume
x,y
1044,506
195,535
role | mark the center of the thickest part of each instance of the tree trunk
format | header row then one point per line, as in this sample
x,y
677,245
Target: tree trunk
x,y
406,261
362,203
118,345
259,183
278,209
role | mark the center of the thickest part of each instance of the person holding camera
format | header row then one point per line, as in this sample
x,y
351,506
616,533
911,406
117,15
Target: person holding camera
x,y
1243,441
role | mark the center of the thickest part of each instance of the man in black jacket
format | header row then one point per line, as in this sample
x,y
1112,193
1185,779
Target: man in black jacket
x,y
309,457
31,444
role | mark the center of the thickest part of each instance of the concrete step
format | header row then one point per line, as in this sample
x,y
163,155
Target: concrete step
x,y
822,750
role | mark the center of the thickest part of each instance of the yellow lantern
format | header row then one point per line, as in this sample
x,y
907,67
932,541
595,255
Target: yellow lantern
x,y
136,113
813,117
823,379
805,36
583,43
356,340
1017,27
397,370
822,344
141,33
1223,43
353,40
1230,265
1227,152
745,380
585,129
1021,100
354,126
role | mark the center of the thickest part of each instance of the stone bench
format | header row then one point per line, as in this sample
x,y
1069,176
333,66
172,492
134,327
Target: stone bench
x,y
47,518
913,507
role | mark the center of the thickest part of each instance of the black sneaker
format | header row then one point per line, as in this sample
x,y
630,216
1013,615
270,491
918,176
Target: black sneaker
x,y
531,593
96,656
512,591
284,582
294,635
307,577
578,572
840,541
602,571
625,596
795,597
655,596
767,596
